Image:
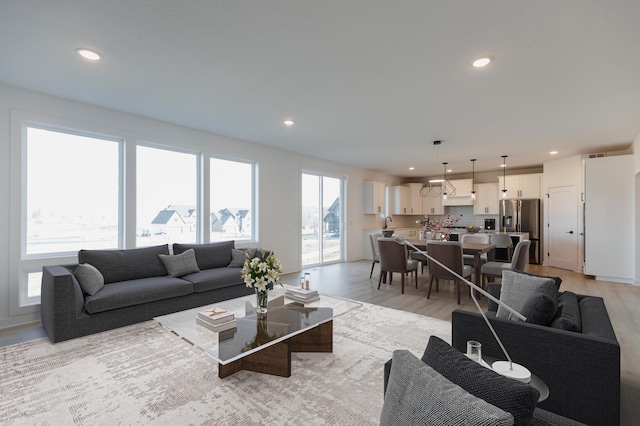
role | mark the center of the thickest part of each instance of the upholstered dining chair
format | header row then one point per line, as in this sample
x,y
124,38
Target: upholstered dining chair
x,y
478,239
449,253
503,241
518,262
419,256
373,238
393,258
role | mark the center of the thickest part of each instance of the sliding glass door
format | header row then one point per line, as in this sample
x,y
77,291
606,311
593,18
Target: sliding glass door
x,y
322,219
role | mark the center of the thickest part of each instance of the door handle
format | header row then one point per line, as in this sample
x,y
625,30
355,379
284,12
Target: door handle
x,y
570,232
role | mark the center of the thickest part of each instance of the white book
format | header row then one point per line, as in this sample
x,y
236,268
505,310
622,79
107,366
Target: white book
x,y
302,292
302,299
217,328
215,316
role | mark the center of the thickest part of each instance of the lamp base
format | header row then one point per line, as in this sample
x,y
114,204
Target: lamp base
x,y
518,371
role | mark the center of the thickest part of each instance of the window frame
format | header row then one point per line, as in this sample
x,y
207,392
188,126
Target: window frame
x,y
254,207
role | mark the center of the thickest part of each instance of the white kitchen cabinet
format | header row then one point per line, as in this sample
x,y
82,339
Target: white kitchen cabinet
x,y
487,199
400,200
432,205
417,202
520,186
374,197
462,196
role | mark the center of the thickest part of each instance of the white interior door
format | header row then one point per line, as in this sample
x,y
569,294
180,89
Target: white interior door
x,y
563,228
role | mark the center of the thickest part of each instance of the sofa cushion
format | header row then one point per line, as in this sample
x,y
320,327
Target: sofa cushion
x,y
568,315
89,278
214,255
541,306
510,395
237,258
516,289
211,279
124,265
417,394
136,292
555,279
181,264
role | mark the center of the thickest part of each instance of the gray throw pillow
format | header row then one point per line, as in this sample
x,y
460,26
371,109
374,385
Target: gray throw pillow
x,y
517,398
568,316
516,289
237,258
541,306
417,394
181,264
90,279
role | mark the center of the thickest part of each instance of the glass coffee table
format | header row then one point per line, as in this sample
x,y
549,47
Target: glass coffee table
x,y
262,342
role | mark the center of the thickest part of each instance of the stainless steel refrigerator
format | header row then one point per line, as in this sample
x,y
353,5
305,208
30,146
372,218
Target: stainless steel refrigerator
x,y
523,216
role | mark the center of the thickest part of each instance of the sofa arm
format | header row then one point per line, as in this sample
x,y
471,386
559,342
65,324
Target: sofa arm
x,y
581,371
61,303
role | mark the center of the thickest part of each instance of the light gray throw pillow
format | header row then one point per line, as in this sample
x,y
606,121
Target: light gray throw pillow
x,y
417,394
90,279
516,290
181,264
237,258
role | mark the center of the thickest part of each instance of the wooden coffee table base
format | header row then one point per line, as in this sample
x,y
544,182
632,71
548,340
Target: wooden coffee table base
x,y
276,359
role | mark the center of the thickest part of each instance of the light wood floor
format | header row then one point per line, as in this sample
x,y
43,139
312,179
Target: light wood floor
x,y
352,280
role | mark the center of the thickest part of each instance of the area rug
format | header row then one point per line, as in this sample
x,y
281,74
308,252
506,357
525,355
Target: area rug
x,y
144,374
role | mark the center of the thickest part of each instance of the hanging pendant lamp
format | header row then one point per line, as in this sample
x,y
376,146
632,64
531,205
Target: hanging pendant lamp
x,y
444,186
473,179
504,173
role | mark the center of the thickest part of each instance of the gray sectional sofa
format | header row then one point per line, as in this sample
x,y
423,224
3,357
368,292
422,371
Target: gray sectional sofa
x,y
577,354
136,286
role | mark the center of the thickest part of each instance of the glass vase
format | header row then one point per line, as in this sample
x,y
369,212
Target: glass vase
x,y
262,298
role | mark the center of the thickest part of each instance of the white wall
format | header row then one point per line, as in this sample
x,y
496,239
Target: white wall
x,y
636,171
278,188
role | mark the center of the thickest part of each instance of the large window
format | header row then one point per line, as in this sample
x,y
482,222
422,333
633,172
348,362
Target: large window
x,y
167,197
231,200
77,192
71,192
70,199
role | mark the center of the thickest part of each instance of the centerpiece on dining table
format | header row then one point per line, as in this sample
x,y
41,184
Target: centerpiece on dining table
x,y
437,229
473,229
261,271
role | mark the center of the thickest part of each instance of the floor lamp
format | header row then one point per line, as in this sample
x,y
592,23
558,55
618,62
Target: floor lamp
x,y
505,368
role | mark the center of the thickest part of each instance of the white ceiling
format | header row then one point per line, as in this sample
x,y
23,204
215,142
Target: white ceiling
x,y
370,83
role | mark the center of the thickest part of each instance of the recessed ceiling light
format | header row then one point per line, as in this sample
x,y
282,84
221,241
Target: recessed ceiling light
x,y
88,54
412,168
481,62
289,123
449,170
553,152
503,165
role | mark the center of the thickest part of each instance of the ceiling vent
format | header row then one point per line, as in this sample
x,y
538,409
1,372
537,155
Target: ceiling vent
x,y
598,155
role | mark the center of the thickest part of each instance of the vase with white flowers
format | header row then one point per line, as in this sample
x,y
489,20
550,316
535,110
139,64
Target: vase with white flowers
x,y
261,272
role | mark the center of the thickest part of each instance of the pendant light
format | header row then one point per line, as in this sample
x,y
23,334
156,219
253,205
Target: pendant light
x,y
473,179
504,173
444,187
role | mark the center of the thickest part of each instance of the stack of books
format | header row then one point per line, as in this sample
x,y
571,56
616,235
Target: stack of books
x,y
301,295
216,319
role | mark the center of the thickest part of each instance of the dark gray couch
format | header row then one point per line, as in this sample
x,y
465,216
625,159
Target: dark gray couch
x,y
136,288
581,369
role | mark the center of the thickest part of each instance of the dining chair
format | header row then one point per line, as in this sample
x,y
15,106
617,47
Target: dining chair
x,y
419,256
449,253
518,262
393,258
373,238
478,239
503,241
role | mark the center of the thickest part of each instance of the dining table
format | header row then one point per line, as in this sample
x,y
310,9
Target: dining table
x,y
475,249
